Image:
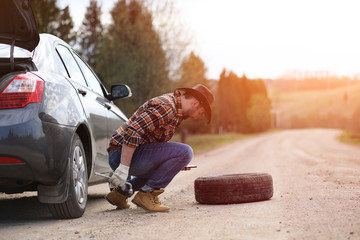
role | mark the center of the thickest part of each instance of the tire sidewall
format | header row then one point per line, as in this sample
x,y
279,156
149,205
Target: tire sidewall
x,y
233,188
77,208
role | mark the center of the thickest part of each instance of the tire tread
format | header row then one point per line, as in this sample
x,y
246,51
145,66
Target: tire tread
x,y
234,188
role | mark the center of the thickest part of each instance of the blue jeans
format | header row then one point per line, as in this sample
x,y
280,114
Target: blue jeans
x,y
154,164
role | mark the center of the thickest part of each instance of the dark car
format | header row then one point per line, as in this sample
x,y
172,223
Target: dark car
x,y
56,117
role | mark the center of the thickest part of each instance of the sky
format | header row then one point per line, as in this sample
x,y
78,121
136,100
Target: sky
x,y
265,38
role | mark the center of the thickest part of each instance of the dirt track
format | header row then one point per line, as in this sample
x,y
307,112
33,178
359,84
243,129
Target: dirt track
x,y
316,196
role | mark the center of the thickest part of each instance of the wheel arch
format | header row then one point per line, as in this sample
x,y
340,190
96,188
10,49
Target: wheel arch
x,y
84,135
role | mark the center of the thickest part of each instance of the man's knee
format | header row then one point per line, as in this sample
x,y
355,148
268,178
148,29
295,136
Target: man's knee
x,y
187,152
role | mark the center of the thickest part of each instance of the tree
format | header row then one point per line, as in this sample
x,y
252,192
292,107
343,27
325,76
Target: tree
x,y
65,26
258,113
90,34
46,14
233,97
193,72
51,19
133,54
174,35
244,105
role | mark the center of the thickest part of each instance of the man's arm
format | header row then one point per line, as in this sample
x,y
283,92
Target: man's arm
x,y
126,154
121,174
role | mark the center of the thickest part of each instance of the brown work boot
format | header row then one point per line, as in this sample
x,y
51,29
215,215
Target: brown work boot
x,y
150,201
117,199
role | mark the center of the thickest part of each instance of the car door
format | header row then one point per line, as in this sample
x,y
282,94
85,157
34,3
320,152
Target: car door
x,y
94,104
114,117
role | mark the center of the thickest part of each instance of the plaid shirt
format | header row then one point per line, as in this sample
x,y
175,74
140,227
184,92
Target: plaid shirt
x,y
155,121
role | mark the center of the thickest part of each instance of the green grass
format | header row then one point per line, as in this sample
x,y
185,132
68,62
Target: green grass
x,y
203,142
350,137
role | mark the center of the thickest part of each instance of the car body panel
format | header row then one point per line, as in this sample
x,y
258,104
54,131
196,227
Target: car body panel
x,y
42,146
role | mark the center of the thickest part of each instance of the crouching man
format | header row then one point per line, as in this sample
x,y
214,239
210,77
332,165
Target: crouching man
x,y
140,147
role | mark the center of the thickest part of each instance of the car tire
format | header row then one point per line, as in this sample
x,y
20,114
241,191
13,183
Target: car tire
x,y
75,204
233,188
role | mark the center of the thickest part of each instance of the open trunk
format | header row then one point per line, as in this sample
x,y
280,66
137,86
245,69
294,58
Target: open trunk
x,y
19,65
18,36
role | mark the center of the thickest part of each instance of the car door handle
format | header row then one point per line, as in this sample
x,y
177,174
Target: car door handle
x,y
107,106
82,92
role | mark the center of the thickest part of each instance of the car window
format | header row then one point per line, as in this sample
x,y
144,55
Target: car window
x,y
90,76
60,68
71,65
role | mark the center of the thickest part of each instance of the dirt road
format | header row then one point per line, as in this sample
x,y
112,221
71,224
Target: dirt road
x,y
316,196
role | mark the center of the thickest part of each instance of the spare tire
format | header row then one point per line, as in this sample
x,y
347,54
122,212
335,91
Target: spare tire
x,y
233,188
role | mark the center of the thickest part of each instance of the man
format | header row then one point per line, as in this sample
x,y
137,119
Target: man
x,y
140,147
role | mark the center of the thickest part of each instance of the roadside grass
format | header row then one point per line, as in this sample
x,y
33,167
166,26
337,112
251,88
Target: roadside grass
x,y
203,142
350,137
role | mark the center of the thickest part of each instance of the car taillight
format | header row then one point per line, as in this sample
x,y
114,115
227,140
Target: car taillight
x,y
25,88
9,160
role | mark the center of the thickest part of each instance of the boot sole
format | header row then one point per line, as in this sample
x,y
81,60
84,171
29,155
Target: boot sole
x,y
107,199
139,205
118,207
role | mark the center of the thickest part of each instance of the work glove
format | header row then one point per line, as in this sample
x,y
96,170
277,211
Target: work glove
x,y
120,176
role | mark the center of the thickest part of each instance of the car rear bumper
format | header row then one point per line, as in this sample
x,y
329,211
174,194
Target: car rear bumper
x,y
43,148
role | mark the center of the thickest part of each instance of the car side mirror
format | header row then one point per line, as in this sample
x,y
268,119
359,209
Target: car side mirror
x,y
119,91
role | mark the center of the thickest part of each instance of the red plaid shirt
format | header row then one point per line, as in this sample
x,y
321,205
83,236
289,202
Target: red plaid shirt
x,y
155,121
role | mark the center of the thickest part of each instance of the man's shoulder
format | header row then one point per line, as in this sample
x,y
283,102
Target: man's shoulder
x,y
165,99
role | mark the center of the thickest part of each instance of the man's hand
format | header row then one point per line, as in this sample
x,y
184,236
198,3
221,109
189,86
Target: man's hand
x,y
120,176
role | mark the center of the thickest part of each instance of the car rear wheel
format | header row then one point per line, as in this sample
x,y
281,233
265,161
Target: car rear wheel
x,y
75,204
233,188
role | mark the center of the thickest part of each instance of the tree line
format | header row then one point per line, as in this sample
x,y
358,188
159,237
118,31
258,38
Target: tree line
x,y
154,59
307,81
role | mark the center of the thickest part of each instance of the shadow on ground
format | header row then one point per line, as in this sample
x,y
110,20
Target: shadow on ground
x,y
23,209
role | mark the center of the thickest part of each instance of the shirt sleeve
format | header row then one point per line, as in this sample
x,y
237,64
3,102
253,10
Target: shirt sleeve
x,y
142,123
